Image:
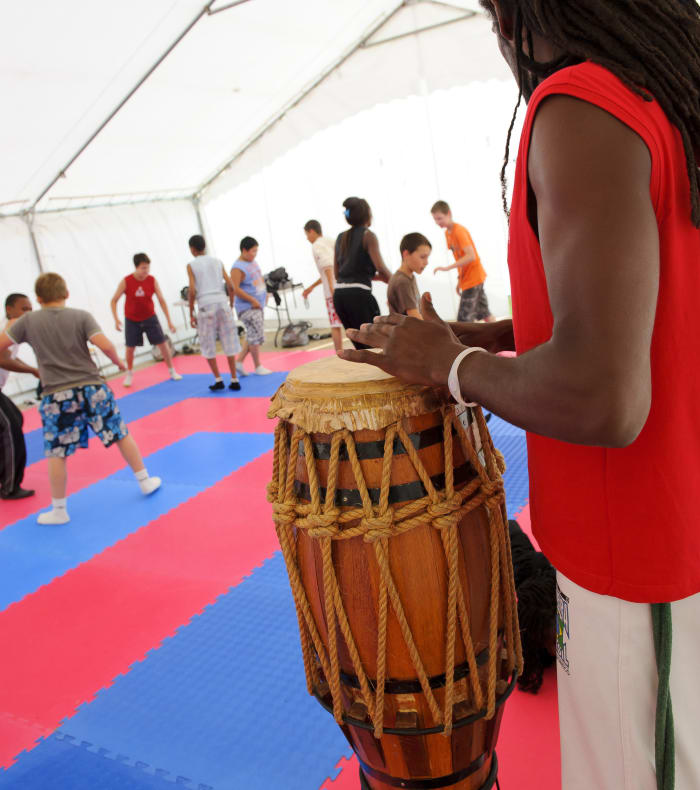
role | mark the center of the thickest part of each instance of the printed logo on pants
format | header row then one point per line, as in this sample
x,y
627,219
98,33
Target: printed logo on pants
x,y
562,629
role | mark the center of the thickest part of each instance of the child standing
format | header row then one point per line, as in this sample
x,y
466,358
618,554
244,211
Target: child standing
x,y
75,394
212,289
324,254
140,315
251,296
402,294
473,304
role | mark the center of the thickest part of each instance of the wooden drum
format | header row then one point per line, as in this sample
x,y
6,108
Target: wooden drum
x,y
389,508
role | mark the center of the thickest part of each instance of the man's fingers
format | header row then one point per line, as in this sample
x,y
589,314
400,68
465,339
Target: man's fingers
x,y
393,318
428,311
363,355
370,334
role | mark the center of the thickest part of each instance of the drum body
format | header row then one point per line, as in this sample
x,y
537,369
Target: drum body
x,y
396,544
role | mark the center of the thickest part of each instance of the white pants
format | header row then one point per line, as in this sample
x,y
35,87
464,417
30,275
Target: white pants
x,y
607,680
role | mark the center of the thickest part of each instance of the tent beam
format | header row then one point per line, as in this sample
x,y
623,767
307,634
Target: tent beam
x,y
294,101
29,219
62,172
466,15
212,11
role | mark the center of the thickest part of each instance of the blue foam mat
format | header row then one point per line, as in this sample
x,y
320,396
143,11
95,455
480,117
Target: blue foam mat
x,y
511,442
221,705
161,396
31,555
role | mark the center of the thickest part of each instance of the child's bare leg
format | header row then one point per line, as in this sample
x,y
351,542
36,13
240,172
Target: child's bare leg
x,y
132,455
57,477
167,356
214,367
57,482
337,334
129,358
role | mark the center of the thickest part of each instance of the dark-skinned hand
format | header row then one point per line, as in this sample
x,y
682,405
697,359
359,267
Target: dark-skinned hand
x,y
494,337
415,351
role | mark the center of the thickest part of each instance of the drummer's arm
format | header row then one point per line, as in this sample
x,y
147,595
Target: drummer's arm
x,y
590,382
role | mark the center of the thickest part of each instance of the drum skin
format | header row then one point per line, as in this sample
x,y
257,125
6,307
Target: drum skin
x,y
464,759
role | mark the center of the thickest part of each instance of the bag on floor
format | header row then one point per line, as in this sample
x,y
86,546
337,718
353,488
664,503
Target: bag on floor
x,y
296,334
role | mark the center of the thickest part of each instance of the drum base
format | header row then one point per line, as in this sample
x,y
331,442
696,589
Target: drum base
x,y
435,784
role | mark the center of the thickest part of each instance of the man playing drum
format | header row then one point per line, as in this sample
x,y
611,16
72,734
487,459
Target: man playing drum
x,y
604,256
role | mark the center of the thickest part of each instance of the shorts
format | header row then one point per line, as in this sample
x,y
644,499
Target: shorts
x,y
252,320
473,304
332,315
134,331
67,414
216,320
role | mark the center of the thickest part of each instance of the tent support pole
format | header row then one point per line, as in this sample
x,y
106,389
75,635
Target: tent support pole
x,y
29,219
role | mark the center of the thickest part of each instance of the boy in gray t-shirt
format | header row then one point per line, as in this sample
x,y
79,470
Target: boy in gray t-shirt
x,y
402,294
75,395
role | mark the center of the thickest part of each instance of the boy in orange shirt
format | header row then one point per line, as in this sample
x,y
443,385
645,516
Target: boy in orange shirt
x,y
473,304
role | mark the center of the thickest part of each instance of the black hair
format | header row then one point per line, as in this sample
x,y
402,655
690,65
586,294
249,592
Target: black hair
x,y
248,242
652,46
140,258
357,211
440,207
412,241
12,299
315,225
197,243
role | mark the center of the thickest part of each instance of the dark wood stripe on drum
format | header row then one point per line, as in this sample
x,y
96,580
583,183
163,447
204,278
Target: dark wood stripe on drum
x,y
371,450
435,782
413,686
407,492
325,702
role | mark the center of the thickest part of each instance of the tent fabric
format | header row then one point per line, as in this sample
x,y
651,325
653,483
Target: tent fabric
x,y
69,64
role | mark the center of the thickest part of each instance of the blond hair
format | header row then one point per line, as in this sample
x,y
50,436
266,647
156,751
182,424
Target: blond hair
x,y
50,287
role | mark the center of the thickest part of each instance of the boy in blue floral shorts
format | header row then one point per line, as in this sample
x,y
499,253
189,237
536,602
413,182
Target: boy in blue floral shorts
x,y
75,394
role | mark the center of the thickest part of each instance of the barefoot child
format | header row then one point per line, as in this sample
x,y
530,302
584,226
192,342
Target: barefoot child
x,y
402,294
75,394
140,315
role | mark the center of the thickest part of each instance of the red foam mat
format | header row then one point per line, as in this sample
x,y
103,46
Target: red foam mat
x,y
133,595
152,433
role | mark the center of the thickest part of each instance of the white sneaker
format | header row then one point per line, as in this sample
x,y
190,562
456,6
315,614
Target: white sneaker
x,y
54,516
240,369
128,379
261,370
149,485
175,376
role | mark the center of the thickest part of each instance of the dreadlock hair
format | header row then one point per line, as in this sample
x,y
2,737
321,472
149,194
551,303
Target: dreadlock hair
x,y
652,46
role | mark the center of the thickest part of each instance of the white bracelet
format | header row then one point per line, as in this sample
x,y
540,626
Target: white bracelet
x,y
453,378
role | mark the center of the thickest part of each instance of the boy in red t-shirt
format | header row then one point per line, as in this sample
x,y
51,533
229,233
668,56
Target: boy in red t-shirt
x,y
140,315
473,304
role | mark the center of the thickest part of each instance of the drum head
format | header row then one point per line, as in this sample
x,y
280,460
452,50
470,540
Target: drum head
x,y
331,394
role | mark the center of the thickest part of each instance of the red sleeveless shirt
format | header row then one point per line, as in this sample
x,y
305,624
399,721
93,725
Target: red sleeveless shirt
x,y
623,522
139,298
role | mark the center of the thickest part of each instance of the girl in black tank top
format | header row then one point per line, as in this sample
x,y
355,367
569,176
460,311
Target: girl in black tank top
x,y
357,262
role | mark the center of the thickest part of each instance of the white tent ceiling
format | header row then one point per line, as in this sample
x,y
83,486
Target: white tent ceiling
x,y
243,85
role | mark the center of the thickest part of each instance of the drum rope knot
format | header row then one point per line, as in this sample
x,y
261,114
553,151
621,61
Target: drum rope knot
x,y
378,527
